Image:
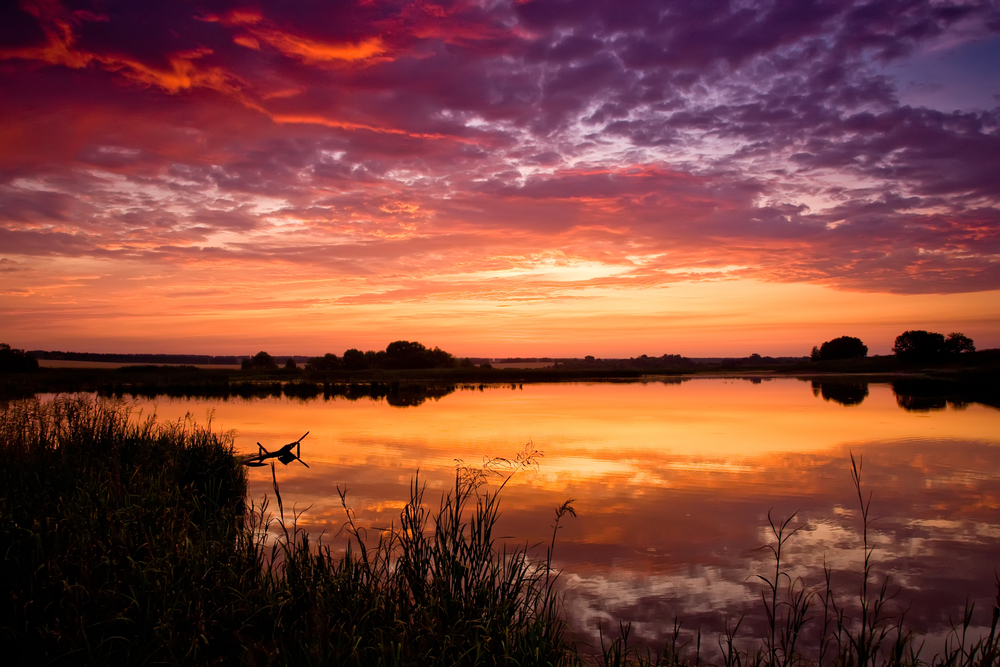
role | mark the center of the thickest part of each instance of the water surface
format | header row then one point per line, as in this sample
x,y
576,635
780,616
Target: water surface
x,y
672,484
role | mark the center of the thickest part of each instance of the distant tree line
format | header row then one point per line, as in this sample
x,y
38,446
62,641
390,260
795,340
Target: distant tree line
x,y
206,359
642,362
16,361
915,345
398,355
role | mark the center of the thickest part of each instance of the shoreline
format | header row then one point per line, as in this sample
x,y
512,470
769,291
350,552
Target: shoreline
x,y
970,378
916,389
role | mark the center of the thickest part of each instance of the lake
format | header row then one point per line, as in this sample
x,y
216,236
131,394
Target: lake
x,y
672,483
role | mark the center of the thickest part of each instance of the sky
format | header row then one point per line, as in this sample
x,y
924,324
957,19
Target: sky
x,y
498,178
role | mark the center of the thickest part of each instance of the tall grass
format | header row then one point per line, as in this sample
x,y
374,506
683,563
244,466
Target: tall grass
x,y
130,542
117,535
126,542
433,591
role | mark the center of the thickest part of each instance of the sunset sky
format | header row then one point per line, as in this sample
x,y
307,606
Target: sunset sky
x,y
499,178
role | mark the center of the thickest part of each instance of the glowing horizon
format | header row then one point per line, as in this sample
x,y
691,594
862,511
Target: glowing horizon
x,y
498,179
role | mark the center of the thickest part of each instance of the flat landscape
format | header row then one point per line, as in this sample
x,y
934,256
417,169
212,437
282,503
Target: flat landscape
x,y
630,333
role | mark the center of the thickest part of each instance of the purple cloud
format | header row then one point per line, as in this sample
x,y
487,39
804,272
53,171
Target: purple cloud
x,y
718,130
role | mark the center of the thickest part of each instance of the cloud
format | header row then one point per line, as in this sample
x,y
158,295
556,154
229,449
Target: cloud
x,y
179,69
258,30
421,139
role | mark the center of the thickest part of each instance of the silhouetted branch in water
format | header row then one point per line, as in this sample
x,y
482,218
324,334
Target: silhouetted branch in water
x,y
285,455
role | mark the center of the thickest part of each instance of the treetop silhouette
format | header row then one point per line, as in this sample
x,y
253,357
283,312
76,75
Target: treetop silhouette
x,y
920,345
844,347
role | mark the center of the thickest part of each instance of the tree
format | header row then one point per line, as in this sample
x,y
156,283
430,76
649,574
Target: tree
x,y
407,354
374,359
441,358
957,343
845,347
328,362
261,360
16,361
814,355
354,360
411,354
290,364
918,345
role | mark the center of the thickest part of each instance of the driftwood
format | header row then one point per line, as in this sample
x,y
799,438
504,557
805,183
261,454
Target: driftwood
x,y
285,455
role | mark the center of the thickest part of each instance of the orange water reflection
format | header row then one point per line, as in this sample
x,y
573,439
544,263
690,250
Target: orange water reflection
x,y
672,484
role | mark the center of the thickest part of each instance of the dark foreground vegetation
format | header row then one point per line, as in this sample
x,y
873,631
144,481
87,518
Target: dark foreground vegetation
x,y
130,542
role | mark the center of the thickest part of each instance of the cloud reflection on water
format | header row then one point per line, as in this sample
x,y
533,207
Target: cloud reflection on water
x,y
672,485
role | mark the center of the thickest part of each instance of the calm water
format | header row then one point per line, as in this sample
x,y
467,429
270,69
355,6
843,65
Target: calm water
x,y
672,484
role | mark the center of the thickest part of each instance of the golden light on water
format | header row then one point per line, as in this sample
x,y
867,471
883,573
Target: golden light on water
x,y
672,482
595,440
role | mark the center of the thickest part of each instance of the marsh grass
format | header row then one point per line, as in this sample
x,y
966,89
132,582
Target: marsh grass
x,y
130,542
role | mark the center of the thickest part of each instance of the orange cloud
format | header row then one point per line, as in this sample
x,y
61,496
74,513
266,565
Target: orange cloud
x,y
290,44
313,51
182,75
247,41
347,125
61,49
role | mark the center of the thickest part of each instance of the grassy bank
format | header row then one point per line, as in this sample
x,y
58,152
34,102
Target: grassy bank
x,y
130,542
